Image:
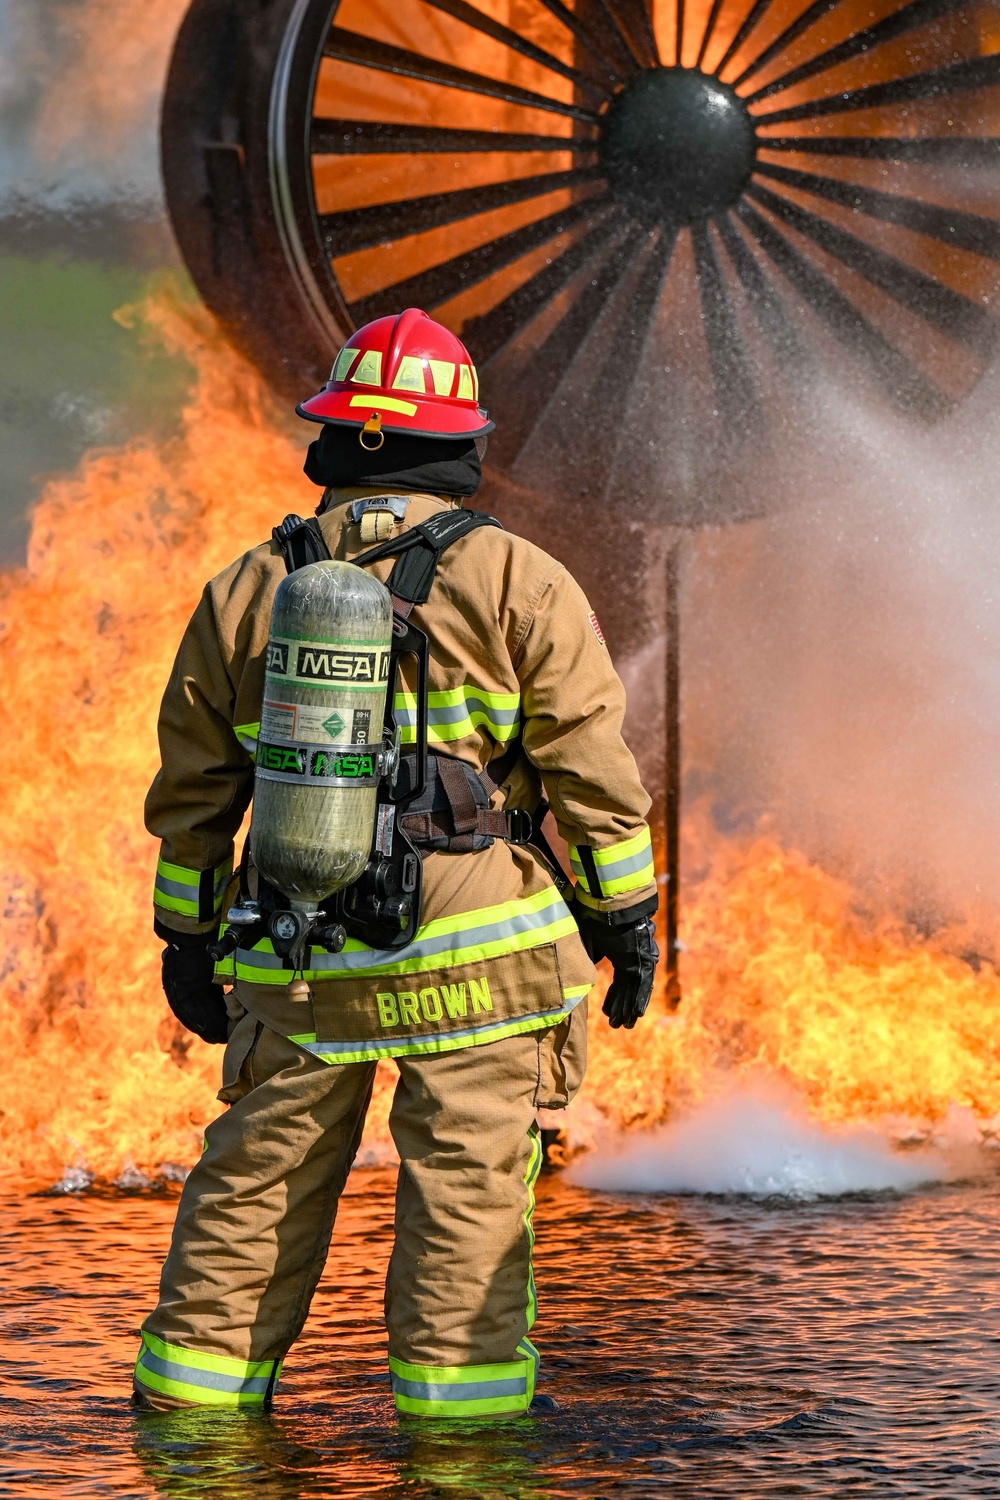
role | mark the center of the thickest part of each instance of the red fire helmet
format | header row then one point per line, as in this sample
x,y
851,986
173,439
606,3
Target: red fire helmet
x,y
403,374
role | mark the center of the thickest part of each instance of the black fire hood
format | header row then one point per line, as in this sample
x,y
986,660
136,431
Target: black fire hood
x,y
435,466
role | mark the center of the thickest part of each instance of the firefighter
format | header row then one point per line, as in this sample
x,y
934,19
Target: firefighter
x,y
484,1012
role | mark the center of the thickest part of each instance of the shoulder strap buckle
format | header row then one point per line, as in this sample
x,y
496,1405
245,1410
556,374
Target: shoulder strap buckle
x,y
300,542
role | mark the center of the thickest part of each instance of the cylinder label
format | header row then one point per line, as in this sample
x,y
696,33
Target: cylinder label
x,y
341,666
336,765
314,722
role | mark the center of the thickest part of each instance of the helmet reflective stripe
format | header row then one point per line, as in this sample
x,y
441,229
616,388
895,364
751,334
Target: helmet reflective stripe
x,y
369,370
410,375
345,359
384,403
443,375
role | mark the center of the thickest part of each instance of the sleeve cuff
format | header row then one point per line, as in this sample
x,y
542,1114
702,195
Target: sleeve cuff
x,y
614,916
188,900
618,870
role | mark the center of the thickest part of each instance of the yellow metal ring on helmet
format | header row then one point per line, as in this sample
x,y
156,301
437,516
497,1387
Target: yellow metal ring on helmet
x,y
373,428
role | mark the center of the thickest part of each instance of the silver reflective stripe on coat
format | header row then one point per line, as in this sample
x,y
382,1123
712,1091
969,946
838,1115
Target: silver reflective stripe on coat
x,y
186,891
517,925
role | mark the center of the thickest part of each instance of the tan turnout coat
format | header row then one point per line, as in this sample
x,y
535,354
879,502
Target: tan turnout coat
x,y
514,646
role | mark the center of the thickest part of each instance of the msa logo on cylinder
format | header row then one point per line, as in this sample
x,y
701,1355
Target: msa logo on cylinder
x,y
342,664
281,758
345,764
294,761
277,657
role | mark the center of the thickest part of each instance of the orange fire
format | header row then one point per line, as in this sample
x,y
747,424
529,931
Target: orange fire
x,y
865,1017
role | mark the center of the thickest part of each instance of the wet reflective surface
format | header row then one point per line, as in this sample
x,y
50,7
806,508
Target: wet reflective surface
x,y
698,1348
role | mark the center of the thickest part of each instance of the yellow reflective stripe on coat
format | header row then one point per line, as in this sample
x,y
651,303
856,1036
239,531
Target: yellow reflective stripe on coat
x,y
455,713
469,937
191,893
248,735
207,1379
620,867
442,1041
465,1390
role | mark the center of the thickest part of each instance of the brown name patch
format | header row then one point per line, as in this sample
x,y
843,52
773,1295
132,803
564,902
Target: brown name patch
x,y
434,1002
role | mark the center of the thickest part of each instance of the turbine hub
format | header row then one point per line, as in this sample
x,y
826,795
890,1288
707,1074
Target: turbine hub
x,y
677,146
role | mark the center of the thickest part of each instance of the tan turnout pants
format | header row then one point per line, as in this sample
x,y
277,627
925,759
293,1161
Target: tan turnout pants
x,y
256,1215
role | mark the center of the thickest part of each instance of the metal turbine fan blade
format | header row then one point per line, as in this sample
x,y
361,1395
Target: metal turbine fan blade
x,y
662,230
659,228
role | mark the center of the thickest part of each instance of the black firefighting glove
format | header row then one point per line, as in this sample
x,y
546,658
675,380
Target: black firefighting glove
x,y
189,983
629,941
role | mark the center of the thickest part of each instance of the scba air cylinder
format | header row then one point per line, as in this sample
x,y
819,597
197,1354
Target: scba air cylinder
x,y
318,754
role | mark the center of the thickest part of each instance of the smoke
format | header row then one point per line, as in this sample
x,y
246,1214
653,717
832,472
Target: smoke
x,y
842,663
80,85
757,1141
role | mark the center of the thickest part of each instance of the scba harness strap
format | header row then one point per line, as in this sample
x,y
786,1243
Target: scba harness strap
x,y
453,813
417,551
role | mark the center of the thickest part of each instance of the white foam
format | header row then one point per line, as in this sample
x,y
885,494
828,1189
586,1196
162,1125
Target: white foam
x,y
757,1141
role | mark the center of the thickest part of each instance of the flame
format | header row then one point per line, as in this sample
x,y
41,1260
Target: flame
x,y
118,554
862,1014
785,970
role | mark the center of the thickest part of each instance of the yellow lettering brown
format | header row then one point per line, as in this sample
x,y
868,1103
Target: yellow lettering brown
x,y
430,1004
388,1014
407,1008
409,1013
480,994
454,1000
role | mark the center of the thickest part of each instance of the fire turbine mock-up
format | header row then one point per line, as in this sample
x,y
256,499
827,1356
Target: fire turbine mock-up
x,y
660,229
666,234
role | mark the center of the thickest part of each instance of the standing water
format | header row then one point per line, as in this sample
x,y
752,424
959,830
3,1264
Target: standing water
x,y
698,1346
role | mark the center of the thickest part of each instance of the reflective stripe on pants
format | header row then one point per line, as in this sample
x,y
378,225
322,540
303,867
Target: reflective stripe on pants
x,y
480,1390
465,1390
205,1379
256,1215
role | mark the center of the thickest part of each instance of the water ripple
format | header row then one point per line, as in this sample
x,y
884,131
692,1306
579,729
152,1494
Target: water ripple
x,y
699,1348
